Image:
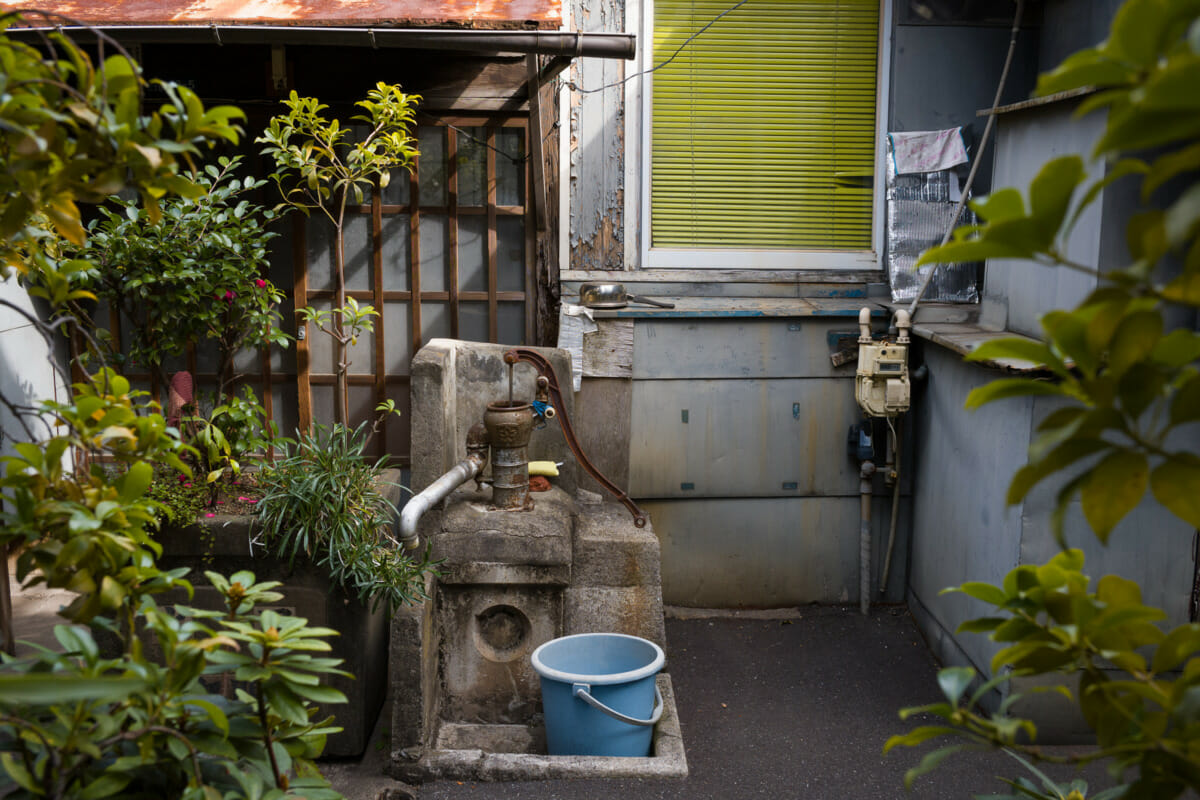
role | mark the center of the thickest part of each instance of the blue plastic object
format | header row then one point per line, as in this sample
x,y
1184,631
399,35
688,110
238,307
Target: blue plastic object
x,y
599,694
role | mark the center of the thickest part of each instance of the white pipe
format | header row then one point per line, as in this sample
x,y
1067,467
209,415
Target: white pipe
x,y
864,326
433,494
864,538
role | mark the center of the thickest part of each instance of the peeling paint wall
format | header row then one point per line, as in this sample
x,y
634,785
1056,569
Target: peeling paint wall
x,y
597,146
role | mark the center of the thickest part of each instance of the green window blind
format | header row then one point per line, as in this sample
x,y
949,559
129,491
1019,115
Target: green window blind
x,y
763,127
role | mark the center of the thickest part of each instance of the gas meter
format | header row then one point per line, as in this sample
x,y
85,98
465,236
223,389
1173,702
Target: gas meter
x,y
881,382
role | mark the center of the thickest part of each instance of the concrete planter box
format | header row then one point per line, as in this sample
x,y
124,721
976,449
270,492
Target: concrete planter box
x,y
222,544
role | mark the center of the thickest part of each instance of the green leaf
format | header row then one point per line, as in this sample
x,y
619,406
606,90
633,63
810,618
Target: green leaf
x,y
1000,205
16,770
954,682
1168,166
917,736
1178,646
1057,459
1176,484
1050,194
1135,338
1004,388
1018,348
39,689
929,763
1183,216
992,595
1112,489
980,625
107,785
133,484
1185,405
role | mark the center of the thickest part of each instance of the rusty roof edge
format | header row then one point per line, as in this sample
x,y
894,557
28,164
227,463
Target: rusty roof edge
x,y
574,44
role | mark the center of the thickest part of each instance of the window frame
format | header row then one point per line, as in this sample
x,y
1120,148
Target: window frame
x,y
640,129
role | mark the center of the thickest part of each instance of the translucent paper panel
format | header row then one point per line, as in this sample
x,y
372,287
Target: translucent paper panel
x,y
320,344
397,190
322,404
359,244
435,255
432,179
510,172
398,427
510,253
279,251
319,241
471,165
396,252
283,359
284,407
512,323
362,405
473,322
362,355
248,361
472,254
397,333
435,321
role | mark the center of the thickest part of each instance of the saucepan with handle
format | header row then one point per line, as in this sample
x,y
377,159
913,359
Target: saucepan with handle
x,y
613,295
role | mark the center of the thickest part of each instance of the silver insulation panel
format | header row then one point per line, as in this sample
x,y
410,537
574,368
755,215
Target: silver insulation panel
x,y
919,209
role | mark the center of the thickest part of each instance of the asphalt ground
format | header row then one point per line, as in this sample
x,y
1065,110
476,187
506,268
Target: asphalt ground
x,y
787,708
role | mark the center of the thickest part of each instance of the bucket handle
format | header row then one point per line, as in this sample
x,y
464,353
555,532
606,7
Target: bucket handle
x,y
583,692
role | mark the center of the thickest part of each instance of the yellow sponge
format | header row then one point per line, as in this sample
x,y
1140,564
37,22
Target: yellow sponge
x,y
546,468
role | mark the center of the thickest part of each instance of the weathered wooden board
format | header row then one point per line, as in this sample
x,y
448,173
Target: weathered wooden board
x,y
608,351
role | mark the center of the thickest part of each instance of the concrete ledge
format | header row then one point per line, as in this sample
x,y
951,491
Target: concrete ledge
x,y
668,762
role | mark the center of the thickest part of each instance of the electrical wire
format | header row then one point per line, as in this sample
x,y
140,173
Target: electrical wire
x,y
678,50
575,87
983,142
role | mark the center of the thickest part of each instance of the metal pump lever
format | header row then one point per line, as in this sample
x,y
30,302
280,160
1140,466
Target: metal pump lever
x,y
546,370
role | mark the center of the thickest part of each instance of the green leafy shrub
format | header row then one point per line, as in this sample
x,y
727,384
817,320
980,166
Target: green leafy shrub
x,y
229,435
319,167
323,502
1129,389
192,274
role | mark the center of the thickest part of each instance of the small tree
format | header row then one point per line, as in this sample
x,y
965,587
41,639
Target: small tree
x,y
318,167
1128,388
194,273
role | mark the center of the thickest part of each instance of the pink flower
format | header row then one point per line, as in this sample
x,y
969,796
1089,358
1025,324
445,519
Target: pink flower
x,y
260,283
210,514
187,485
243,499
219,502
183,478
229,296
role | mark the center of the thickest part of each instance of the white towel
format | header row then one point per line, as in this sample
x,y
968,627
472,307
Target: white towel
x,y
927,151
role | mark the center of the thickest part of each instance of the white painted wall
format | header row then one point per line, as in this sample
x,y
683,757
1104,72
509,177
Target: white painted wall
x,y
26,374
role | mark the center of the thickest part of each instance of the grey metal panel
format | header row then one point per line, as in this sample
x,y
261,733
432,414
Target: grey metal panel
x,y
770,552
1025,141
1150,546
769,348
961,528
742,438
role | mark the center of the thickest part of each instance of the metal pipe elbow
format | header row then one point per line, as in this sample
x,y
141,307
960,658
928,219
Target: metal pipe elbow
x,y
433,494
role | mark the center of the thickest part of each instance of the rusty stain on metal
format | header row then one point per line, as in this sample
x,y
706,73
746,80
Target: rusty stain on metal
x,y
389,13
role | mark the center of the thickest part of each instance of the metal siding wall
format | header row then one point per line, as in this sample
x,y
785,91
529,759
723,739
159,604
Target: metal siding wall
x,y
962,529
765,409
1025,141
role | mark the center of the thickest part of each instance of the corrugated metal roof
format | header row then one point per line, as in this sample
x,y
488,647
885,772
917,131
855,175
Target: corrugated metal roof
x,y
378,13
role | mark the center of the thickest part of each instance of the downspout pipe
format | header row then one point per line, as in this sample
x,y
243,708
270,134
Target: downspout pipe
x,y
549,43
865,489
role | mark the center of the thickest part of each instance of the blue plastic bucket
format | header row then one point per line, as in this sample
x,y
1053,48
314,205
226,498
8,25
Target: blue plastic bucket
x,y
599,694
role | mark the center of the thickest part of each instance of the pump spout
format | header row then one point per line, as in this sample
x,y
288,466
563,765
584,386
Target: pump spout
x,y
470,467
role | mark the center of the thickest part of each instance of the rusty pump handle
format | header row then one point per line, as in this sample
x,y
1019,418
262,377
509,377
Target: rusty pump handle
x,y
546,370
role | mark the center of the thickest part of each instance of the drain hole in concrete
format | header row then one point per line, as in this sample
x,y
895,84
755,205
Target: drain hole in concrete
x,y
502,633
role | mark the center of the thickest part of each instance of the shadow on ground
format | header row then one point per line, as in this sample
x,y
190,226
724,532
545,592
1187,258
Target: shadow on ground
x,y
772,708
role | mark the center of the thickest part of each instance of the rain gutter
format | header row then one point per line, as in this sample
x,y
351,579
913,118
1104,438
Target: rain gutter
x,y
548,43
